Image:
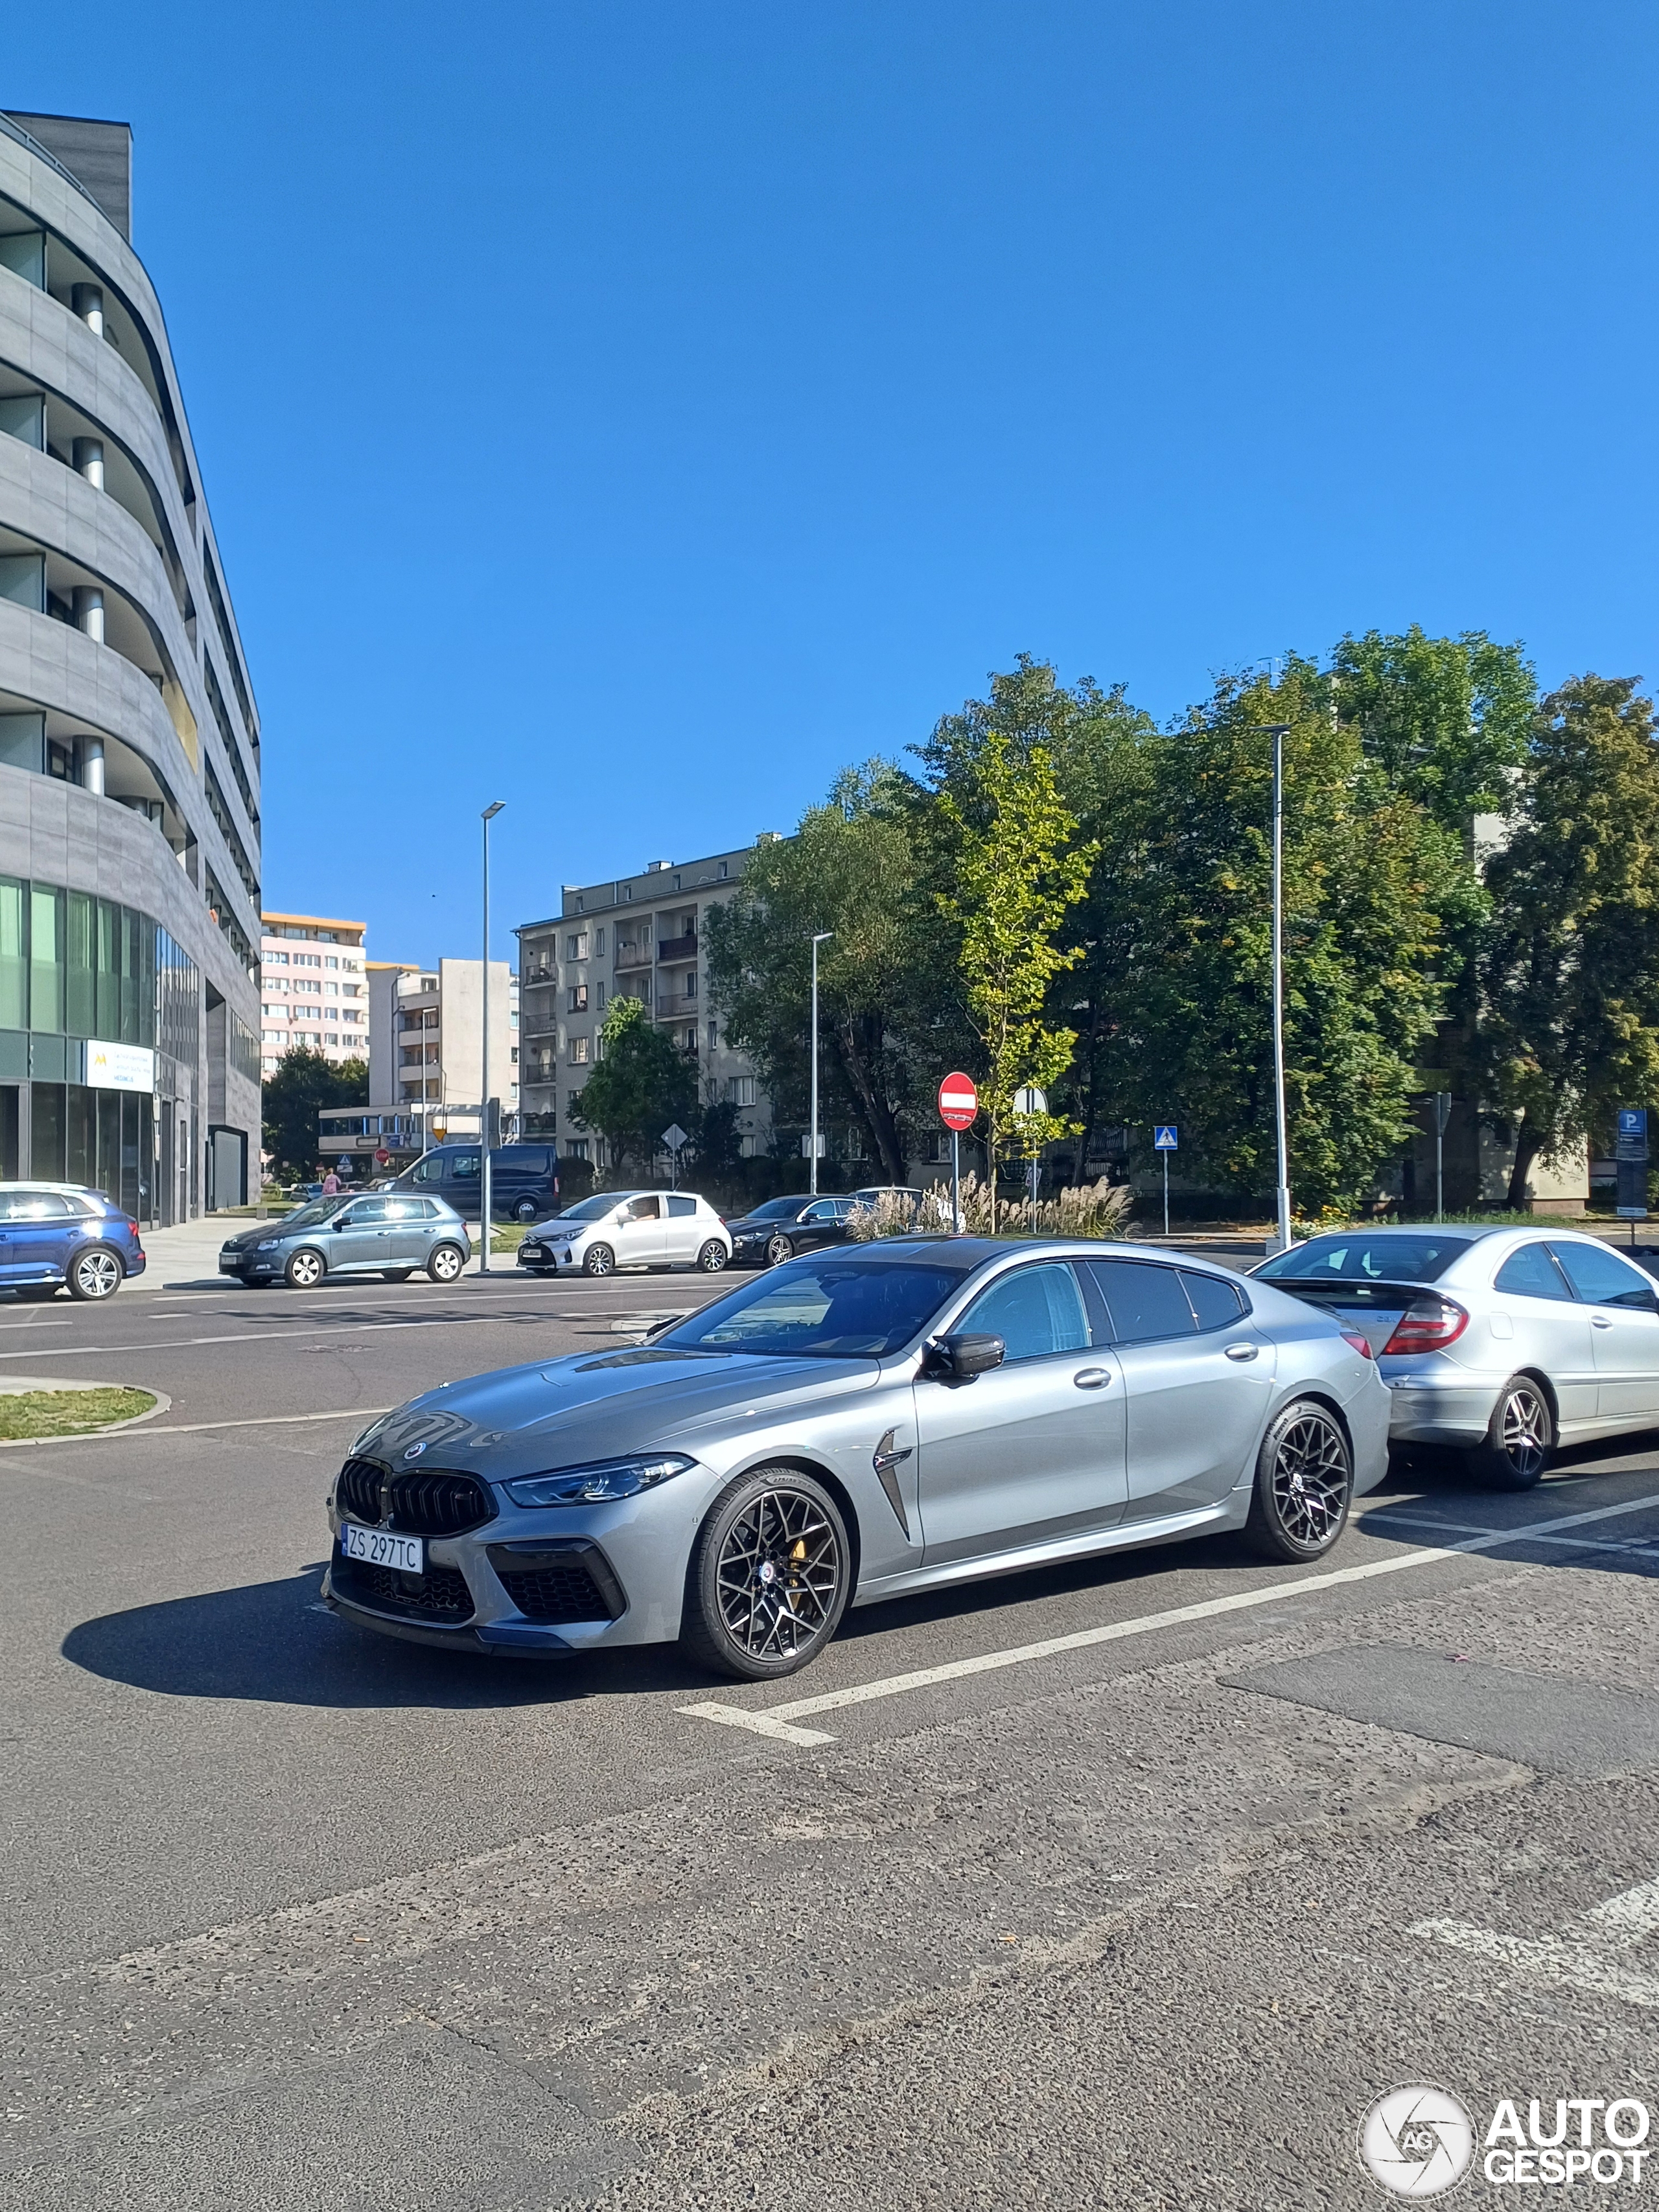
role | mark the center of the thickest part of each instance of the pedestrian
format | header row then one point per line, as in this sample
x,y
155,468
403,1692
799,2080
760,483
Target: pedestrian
x,y
331,1185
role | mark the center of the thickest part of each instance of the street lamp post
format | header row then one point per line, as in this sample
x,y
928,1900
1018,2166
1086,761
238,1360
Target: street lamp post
x,y
823,937
1279,731
490,814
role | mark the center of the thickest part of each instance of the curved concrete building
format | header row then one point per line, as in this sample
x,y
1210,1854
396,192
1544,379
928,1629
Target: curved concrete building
x,y
129,742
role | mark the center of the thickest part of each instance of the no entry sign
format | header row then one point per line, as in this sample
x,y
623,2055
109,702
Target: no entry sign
x,y
958,1102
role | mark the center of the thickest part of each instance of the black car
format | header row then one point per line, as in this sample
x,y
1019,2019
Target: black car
x,y
774,1232
523,1180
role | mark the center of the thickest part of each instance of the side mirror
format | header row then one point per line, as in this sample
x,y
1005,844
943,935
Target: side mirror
x,y
959,1359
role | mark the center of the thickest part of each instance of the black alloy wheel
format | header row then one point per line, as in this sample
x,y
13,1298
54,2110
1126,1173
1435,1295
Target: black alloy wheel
x,y
600,1261
713,1256
96,1274
770,1576
447,1263
778,1250
1519,1439
1303,1484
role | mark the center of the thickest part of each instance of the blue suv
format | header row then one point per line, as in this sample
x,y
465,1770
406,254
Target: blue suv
x,y
58,1235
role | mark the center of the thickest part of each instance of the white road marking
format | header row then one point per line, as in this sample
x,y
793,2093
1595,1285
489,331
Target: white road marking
x,y
1584,1954
1640,1546
782,1717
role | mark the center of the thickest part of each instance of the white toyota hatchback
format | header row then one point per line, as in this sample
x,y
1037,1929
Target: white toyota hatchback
x,y
628,1229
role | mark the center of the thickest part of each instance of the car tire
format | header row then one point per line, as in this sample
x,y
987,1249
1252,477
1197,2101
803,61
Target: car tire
x,y
770,1561
396,1274
1303,1485
713,1257
305,1270
96,1274
447,1264
600,1260
778,1250
1519,1440
525,1210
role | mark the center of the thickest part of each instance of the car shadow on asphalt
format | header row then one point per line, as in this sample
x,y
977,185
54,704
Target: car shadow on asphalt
x,y
274,1643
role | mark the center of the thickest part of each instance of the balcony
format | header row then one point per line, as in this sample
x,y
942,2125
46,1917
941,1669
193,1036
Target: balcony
x,y
678,948
683,1003
633,956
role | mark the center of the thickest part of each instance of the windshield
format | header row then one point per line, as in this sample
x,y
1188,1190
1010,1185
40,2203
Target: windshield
x,y
779,1209
595,1208
319,1211
831,1309
1354,1257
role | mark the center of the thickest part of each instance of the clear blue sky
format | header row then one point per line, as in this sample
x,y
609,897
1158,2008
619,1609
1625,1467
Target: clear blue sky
x,y
636,412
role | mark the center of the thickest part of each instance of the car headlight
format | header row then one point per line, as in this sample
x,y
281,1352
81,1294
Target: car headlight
x,y
586,1485
267,1243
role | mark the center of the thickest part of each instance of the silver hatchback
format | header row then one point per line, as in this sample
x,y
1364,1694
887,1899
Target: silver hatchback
x,y
376,1233
1499,1342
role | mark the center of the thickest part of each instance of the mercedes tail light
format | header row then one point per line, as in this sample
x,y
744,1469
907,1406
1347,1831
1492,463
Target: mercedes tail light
x,y
1427,1325
1362,1345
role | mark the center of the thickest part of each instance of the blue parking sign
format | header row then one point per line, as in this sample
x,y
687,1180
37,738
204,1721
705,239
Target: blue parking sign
x,y
1166,1137
1632,1121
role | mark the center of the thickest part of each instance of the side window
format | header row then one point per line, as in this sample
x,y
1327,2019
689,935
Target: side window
x,y
463,1167
680,1208
823,1211
1531,1274
644,1209
38,1206
1036,1310
362,1213
1601,1278
1145,1302
403,1209
1217,1303
430,1170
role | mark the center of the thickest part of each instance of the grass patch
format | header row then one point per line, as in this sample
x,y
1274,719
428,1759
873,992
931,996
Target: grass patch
x,y
69,1412
507,1238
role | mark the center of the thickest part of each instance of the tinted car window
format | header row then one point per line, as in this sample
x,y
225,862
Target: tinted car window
x,y
679,1207
361,1213
430,1170
1353,1257
34,1205
463,1167
1145,1301
1036,1310
823,1211
1601,1278
831,1307
778,1209
1531,1274
1217,1303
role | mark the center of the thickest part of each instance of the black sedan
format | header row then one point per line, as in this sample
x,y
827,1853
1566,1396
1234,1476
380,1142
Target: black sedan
x,y
782,1227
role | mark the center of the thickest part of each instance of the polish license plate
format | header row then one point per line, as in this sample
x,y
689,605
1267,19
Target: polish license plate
x,y
379,1549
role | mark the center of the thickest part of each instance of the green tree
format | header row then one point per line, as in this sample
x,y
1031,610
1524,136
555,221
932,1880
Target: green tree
x,y
1569,983
304,1084
1447,719
1019,870
642,1084
852,868
1370,880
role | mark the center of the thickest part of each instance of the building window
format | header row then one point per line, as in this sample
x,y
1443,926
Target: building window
x,y
599,940
722,868
714,1038
579,1051
515,1058
691,982
740,1089
601,997
578,999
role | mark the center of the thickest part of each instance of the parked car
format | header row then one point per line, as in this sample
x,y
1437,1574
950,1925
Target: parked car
x,y
1501,1343
848,1427
62,1236
628,1229
523,1180
362,1233
783,1227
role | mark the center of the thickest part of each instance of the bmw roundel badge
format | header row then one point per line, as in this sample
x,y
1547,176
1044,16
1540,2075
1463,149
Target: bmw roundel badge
x,y
414,1451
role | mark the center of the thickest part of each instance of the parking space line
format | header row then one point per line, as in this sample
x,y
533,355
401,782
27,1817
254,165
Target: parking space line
x,y
1637,1547
1587,1952
780,1719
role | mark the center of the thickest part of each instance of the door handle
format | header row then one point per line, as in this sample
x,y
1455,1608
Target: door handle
x,y
1093,1379
1599,1321
1242,1351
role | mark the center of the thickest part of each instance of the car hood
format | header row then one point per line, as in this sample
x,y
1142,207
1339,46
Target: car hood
x,y
519,1420
258,1234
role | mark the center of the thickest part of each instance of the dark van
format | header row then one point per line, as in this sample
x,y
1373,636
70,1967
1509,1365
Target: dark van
x,y
523,1180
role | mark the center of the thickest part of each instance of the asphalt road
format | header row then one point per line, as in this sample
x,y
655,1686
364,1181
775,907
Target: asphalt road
x,y
1131,1883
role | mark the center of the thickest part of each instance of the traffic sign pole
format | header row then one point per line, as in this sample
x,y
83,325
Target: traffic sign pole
x,y
956,1184
958,1107
1166,1193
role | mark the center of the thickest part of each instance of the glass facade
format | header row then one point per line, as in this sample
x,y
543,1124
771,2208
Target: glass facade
x,y
74,965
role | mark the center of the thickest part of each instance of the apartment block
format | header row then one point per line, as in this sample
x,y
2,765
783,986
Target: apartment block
x,y
635,937
426,1041
313,988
